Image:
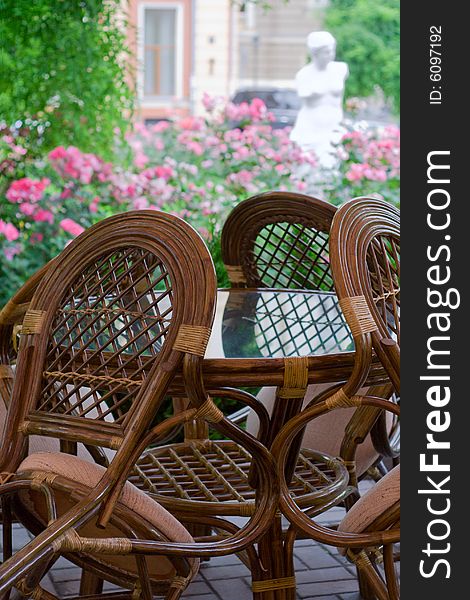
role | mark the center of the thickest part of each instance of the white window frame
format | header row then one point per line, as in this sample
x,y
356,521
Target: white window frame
x,y
156,101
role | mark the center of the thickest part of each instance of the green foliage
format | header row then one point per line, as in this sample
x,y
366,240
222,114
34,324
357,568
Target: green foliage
x,y
368,37
63,62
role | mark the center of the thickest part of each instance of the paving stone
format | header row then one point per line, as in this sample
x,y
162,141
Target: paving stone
x,y
63,563
225,572
67,574
197,588
231,559
323,597
332,574
232,589
316,558
47,584
201,597
67,588
302,543
20,538
307,590
299,565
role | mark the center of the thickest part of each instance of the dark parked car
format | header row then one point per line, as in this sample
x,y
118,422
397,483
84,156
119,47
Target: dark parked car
x,y
282,102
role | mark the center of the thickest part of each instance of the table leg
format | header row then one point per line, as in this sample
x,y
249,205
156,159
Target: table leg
x,y
274,583
278,581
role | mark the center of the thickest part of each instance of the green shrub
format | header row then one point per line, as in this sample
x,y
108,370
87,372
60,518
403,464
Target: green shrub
x,y
368,39
63,62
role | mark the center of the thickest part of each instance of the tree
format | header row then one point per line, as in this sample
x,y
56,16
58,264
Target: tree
x,y
65,62
368,37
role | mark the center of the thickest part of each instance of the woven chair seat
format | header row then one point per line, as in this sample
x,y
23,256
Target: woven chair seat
x,y
217,472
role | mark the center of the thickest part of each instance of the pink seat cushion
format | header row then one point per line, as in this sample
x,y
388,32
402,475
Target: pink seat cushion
x,y
89,474
384,494
325,433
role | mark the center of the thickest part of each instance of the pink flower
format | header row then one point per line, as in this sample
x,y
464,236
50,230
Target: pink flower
x,y
27,208
195,147
356,172
70,226
159,144
164,172
72,163
242,153
257,109
10,232
191,123
25,189
160,126
19,150
12,251
43,216
140,160
140,203
209,102
58,153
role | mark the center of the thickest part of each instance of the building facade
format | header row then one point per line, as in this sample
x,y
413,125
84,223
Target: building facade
x,y
184,48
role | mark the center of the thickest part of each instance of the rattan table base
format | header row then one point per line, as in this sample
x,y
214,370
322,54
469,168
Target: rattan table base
x,y
210,472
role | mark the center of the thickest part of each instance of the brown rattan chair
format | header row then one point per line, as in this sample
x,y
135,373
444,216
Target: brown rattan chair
x,y
127,305
281,240
365,257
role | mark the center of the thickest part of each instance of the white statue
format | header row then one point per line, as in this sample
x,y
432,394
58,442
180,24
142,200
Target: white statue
x,y
320,86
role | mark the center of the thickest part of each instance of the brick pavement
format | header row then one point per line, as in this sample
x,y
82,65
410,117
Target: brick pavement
x,y
321,572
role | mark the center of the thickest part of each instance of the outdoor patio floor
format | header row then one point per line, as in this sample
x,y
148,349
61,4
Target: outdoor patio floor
x,y
321,572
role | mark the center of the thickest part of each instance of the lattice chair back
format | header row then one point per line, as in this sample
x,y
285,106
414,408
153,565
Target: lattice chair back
x,y
106,330
279,240
365,256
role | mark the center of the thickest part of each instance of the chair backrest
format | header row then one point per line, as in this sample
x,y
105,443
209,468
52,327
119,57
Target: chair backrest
x,y
107,328
279,239
365,261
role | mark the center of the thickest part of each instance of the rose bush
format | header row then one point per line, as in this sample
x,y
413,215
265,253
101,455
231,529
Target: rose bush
x,y
369,163
197,168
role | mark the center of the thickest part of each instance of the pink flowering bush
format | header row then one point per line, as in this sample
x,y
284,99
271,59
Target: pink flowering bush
x,y
196,167
369,163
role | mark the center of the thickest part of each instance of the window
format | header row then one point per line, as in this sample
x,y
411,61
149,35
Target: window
x,y
160,38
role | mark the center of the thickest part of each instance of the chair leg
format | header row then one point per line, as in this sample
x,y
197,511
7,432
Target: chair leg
x,y
36,592
390,573
90,584
371,586
7,518
365,590
177,587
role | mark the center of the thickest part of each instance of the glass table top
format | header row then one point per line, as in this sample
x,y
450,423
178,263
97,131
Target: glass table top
x,y
267,323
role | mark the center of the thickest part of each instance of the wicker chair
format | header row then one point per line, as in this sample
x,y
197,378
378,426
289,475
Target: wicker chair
x,y
281,240
128,304
365,257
